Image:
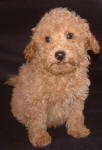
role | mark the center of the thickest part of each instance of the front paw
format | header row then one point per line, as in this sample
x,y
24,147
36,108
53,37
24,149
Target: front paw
x,y
42,140
78,133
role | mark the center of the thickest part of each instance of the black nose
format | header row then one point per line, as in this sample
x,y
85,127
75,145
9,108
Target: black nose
x,y
60,55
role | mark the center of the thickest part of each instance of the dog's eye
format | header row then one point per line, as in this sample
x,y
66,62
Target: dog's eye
x,y
47,39
70,35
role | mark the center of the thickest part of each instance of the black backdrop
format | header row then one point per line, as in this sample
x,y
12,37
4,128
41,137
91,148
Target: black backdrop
x,y
17,17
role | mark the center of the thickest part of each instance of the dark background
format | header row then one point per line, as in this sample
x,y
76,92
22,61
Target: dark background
x,y
17,17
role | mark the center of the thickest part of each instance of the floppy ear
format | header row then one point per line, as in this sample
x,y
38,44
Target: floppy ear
x,y
29,51
93,43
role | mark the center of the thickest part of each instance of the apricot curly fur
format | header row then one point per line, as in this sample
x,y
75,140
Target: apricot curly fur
x,y
49,92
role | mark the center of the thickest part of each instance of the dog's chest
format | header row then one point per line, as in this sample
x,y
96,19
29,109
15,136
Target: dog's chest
x,y
55,88
58,93
59,98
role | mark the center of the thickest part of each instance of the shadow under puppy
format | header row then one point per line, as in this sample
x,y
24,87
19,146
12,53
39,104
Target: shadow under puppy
x,y
52,85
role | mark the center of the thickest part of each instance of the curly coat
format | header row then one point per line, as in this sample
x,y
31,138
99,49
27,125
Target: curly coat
x,y
48,92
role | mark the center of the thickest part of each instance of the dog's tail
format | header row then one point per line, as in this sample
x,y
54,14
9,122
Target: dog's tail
x,y
12,80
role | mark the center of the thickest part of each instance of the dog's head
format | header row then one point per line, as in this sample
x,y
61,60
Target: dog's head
x,y
61,41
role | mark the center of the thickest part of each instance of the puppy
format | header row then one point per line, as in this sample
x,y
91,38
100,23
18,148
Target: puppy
x,y
51,87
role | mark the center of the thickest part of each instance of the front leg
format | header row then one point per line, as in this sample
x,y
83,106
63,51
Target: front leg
x,y
36,124
75,123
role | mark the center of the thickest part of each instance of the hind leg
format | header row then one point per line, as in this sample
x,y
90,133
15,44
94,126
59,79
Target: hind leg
x,y
17,105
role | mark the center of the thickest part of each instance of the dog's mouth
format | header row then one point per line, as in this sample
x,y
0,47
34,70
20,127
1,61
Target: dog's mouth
x,y
62,67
